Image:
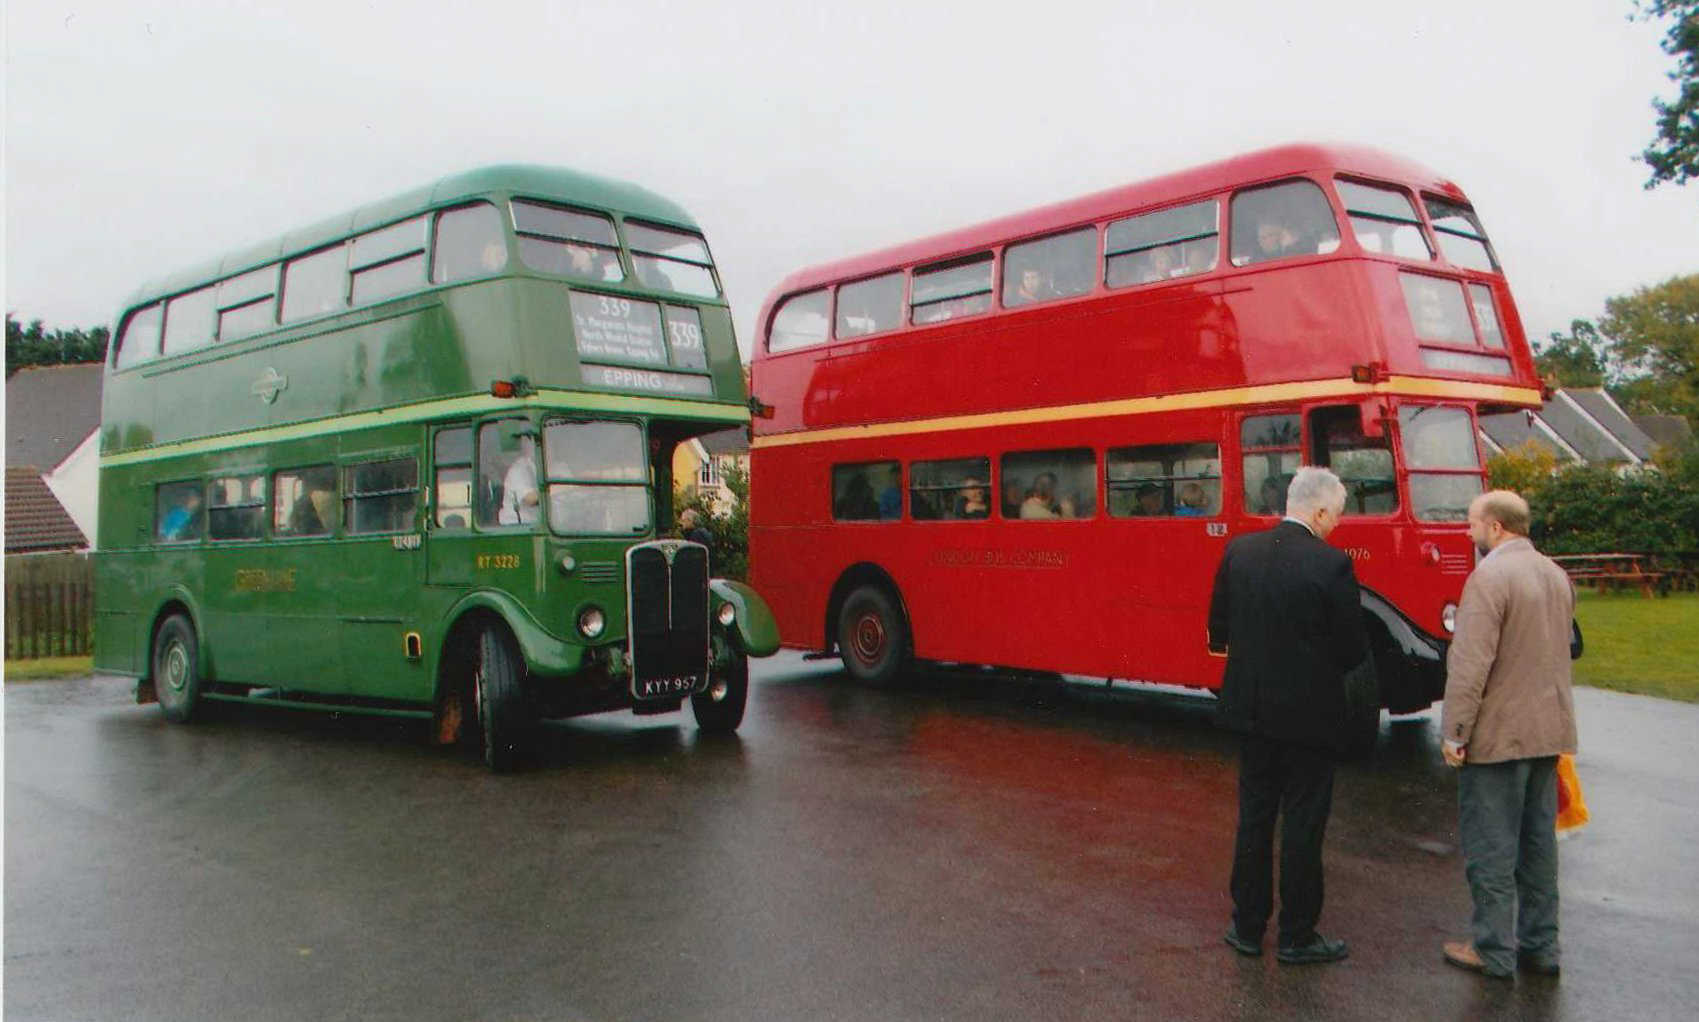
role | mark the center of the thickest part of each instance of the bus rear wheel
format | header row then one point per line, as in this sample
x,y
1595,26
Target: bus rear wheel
x,y
719,710
176,672
873,638
504,719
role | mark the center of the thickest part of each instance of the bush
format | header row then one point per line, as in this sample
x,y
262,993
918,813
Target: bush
x,y
1594,509
728,527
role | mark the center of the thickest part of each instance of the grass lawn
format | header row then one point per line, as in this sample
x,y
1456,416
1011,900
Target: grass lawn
x,y
49,667
1640,645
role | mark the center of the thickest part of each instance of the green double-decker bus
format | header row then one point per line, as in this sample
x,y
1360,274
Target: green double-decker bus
x,y
417,460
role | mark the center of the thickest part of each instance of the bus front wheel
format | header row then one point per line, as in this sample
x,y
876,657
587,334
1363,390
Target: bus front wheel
x,y
176,672
503,717
719,710
872,636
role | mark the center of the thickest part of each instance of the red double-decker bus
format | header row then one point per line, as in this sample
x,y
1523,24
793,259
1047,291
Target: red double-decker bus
x,y
1026,443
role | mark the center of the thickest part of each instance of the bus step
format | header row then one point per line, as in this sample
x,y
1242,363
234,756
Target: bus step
x,y
824,654
302,704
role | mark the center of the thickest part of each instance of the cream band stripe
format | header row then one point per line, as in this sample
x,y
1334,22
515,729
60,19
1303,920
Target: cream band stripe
x,y
560,400
1414,386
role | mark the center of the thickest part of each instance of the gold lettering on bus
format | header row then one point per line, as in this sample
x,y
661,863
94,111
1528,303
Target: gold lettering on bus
x,y
264,580
994,558
498,560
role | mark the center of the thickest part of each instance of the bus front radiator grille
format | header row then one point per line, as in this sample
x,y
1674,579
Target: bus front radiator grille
x,y
668,618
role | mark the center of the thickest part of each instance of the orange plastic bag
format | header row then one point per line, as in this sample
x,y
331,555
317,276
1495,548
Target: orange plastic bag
x,y
1572,812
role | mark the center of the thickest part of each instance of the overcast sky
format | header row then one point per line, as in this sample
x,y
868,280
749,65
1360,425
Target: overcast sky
x,y
142,137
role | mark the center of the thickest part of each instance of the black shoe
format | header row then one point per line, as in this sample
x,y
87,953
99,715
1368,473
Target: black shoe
x,y
1319,949
1251,948
1537,965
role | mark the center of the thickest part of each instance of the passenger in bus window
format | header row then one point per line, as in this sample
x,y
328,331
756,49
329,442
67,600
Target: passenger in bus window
x,y
1200,255
1164,263
1271,498
519,487
1031,287
1040,501
1193,502
973,501
1149,496
591,263
183,521
890,496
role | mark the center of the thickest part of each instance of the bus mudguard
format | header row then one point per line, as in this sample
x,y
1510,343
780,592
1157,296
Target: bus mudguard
x,y
1416,677
544,653
754,631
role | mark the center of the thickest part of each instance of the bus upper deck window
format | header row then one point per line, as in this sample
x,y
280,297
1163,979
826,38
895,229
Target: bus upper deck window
x,y
1157,246
668,259
870,306
1282,221
799,321
1384,220
566,241
1460,235
961,287
469,243
1059,266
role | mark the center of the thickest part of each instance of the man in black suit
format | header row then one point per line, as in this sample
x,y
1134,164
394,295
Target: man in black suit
x,y
1285,614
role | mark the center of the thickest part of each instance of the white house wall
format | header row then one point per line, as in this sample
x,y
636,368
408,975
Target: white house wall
x,y
75,483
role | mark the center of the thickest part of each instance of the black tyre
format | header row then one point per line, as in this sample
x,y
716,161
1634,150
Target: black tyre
x,y
873,637
504,718
720,709
176,669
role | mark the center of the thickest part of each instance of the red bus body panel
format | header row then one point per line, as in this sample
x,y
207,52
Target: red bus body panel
x,y
1177,361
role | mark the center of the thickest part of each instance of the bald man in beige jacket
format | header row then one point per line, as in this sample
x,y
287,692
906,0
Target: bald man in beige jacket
x,y
1508,714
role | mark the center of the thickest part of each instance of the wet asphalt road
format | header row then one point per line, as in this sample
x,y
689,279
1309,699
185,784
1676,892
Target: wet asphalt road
x,y
969,847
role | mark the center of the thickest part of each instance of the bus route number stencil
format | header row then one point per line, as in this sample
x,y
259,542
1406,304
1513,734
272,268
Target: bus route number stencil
x,y
618,329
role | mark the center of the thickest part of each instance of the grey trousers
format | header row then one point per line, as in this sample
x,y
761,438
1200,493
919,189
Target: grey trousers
x,y
1507,816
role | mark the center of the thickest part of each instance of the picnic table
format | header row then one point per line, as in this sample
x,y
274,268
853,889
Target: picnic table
x,y
1607,571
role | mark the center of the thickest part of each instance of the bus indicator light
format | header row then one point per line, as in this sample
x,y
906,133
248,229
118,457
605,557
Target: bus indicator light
x,y
1363,373
503,388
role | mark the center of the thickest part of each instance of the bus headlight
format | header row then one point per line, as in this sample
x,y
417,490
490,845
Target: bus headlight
x,y
591,622
727,615
1448,617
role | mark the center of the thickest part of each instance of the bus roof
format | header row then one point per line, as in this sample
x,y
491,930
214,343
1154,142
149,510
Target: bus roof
x,y
558,183
1208,179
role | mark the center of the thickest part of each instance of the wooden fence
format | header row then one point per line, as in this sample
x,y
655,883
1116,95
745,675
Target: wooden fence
x,y
49,605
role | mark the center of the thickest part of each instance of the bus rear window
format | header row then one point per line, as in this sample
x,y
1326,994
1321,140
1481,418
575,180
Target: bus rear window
x,y
1460,236
671,260
1282,221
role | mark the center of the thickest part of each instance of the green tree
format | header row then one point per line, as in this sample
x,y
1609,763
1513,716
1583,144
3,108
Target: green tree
x,y
1674,155
1575,359
34,345
728,526
1653,337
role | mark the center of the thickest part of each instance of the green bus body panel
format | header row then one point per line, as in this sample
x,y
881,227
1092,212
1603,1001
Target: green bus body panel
x,y
334,614
755,632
